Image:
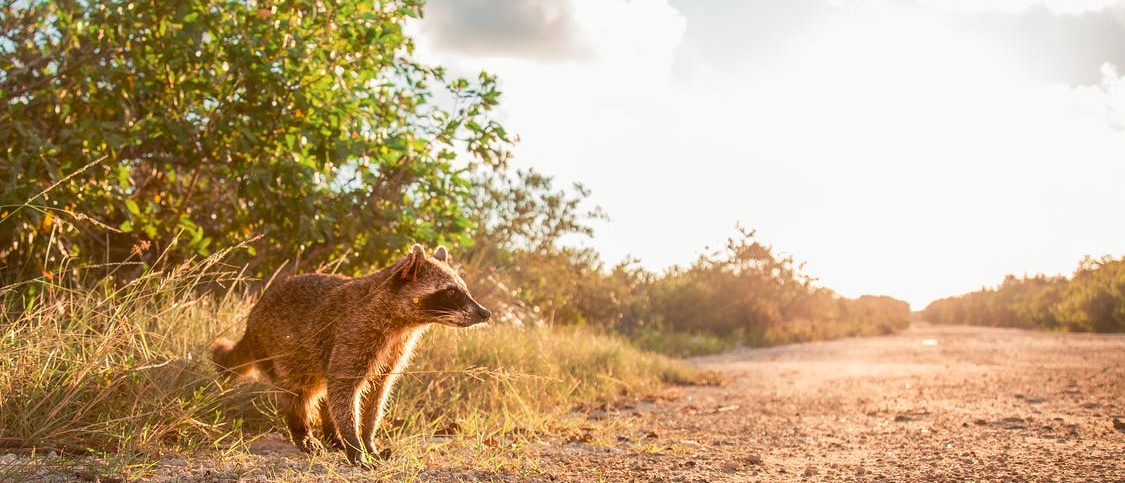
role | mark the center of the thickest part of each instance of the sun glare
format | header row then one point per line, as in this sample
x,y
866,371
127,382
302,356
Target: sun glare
x,y
873,140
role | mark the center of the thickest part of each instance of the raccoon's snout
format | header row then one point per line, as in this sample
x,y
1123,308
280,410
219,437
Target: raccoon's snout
x,y
482,313
475,314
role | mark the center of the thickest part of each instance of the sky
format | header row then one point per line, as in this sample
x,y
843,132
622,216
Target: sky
x,y
917,149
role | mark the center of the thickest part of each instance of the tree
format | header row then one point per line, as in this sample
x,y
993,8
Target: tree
x,y
194,124
1093,300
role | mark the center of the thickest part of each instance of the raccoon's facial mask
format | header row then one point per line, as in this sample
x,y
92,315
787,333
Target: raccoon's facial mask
x,y
453,306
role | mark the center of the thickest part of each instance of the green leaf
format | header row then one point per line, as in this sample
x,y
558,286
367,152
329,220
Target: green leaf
x,y
123,176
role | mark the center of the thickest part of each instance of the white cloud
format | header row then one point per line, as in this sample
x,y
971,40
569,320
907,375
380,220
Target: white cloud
x,y
1105,101
537,29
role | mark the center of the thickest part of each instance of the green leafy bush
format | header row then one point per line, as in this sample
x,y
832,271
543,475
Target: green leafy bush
x,y
126,124
1092,300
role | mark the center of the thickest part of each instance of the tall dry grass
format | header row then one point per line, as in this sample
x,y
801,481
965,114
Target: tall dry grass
x,y
122,369
117,366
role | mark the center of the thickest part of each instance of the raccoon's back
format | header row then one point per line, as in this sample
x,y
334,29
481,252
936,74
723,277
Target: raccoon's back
x,y
297,311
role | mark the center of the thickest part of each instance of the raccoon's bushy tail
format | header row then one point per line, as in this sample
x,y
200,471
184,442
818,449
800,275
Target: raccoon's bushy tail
x,y
235,360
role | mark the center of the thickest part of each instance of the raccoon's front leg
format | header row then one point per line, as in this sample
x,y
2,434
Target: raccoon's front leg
x,y
344,401
374,407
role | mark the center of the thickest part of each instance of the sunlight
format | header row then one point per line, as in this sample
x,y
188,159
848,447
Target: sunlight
x,y
873,120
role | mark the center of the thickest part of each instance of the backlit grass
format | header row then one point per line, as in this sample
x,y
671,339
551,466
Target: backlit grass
x,y
121,371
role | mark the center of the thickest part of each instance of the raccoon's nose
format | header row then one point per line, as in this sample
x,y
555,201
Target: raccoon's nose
x,y
483,313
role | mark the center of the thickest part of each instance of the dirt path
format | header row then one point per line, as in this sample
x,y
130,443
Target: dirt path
x,y
930,404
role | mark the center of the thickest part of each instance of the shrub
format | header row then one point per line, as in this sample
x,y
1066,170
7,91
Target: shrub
x,y
1092,300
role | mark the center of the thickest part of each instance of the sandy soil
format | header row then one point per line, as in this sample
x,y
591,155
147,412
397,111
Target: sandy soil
x,y
930,404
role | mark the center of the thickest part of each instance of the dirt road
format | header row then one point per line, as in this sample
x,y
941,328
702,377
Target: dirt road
x,y
930,404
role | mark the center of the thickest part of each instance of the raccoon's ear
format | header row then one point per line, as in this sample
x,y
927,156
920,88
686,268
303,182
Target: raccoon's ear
x,y
441,254
413,263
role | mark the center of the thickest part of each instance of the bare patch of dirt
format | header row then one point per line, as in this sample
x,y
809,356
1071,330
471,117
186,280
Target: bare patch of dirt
x,y
933,403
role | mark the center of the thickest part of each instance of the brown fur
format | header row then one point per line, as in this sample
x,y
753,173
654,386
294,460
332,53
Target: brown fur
x,y
339,344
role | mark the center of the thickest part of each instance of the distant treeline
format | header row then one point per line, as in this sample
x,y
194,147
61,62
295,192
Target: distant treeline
x,y
1092,300
745,294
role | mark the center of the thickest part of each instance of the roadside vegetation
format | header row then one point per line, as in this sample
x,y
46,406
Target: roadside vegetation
x,y
1091,300
123,371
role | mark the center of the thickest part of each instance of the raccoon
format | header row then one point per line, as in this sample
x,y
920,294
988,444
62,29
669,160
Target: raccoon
x,y
338,344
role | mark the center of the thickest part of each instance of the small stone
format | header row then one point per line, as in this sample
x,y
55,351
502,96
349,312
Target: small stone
x,y
753,460
809,471
860,471
1118,424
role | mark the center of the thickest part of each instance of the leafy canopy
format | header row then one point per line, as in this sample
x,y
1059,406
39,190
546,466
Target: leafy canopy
x,y
194,124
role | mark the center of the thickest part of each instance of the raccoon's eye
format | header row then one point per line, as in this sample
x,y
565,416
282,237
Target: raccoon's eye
x,y
447,299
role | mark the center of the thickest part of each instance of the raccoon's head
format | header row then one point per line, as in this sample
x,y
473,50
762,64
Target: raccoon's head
x,y
434,292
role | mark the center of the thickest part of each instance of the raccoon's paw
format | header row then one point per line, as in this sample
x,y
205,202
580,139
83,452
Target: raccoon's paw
x,y
367,459
311,445
358,458
332,443
382,454
375,451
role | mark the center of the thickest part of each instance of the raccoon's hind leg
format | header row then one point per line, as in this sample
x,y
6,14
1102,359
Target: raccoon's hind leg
x,y
296,406
328,427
